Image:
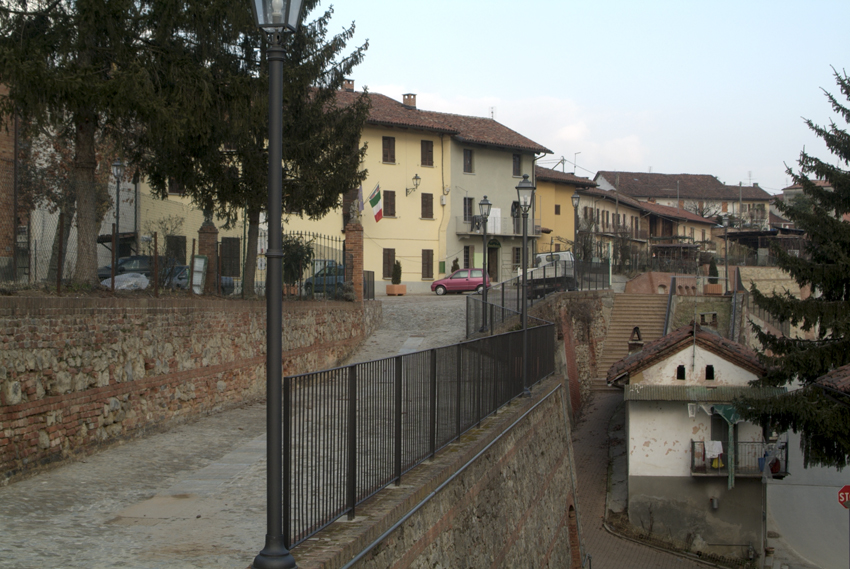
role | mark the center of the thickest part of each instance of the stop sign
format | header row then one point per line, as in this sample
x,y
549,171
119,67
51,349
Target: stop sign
x,y
844,496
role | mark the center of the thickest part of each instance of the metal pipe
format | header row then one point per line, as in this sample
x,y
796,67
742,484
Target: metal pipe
x,y
484,275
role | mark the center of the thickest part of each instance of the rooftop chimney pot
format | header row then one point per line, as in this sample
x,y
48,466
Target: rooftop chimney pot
x,y
348,85
409,100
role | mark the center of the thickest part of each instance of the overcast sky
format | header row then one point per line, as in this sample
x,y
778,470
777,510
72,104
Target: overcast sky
x,y
676,87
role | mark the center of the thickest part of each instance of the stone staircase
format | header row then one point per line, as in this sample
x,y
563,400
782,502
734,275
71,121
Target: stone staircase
x,y
644,310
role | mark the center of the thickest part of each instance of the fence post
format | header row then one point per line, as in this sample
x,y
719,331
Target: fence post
x,y
351,480
397,457
432,436
155,265
287,462
458,374
480,374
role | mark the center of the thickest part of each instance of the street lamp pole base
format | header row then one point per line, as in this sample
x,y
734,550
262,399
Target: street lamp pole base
x,y
274,555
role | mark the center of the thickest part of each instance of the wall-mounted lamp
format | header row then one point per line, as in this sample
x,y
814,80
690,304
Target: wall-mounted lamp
x,y
416,181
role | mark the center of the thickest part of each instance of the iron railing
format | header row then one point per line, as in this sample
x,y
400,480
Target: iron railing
x,y
357,429
750,458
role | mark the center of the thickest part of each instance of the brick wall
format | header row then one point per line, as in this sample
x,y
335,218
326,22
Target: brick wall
x,y
582,319
79,373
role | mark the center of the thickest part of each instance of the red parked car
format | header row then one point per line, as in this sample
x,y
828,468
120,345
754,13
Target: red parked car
x,y
462,280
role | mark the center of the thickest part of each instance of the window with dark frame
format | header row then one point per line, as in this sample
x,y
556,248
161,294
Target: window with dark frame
x,y
389,261
680,372
427,206
230,252
557,209
517,257
467,209
709,372
517,165
467,161
389,203
427,158
427,263
389,149
468,255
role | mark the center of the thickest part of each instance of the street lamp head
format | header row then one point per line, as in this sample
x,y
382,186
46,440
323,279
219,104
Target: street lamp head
x,y
525,193
484,207
416,181
276,15
118,169
576,199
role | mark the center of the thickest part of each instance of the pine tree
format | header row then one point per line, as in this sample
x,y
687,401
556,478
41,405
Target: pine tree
x,y
821,420
222,164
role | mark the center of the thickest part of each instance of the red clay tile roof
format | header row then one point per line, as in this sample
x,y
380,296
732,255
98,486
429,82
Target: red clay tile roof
x,y
838,379
648,207
675,341
473,130
691,186
676,213
819,183
549,175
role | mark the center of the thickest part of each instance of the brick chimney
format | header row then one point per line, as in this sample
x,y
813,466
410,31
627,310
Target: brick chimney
x,y
635,341
348,85
409,100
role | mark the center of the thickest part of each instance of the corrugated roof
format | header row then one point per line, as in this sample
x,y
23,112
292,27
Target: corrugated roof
x,y
697,393
473,130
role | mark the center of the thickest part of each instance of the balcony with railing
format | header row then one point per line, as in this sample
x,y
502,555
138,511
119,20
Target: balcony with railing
x,y
749,459
498,226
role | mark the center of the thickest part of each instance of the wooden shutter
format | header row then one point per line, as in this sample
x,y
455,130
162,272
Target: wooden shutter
x,y
389,149
230,256
175,248
427,153
427,264
428,206
389,204
389,261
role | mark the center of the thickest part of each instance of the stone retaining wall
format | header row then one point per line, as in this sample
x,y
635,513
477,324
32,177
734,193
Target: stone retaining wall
x,y
510,503
79,373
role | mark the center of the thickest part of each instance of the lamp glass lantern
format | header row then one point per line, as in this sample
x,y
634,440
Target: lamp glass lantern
x,y
275,15
525,193
575,199
118,169
484,207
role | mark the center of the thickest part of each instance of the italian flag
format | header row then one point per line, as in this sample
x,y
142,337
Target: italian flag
x,y
376,203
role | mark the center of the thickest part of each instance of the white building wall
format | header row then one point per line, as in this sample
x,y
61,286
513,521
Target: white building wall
x,y
660,434
725,372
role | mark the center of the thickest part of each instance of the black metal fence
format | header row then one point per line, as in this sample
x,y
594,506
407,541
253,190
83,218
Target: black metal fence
x,y
357,429
314,265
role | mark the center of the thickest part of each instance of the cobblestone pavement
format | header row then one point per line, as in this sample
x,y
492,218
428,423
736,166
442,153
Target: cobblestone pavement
x,y
590,448
190,497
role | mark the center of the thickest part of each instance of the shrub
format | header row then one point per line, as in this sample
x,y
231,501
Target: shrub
x,y
396,279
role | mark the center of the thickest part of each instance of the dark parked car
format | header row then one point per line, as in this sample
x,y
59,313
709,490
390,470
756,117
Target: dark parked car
x,y
462,280
328,280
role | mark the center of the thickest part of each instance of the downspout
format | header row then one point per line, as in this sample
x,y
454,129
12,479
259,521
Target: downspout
x,y
15,222
444,222
668,316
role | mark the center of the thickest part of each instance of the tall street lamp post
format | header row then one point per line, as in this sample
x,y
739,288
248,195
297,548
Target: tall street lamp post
x,y
275,18
118,172
726,249
525,195
484,207
576,199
